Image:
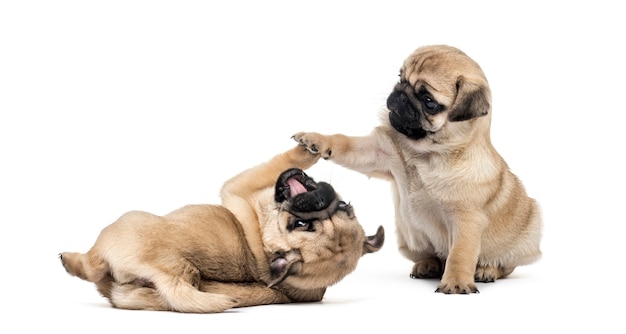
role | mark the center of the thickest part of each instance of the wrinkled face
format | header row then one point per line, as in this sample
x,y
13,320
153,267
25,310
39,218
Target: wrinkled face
x,y
438,85
315,239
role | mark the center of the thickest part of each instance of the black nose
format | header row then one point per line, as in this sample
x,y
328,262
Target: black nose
x,y
397,100
313,201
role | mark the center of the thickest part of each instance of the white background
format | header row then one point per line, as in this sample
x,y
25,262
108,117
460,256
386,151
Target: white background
x,y
112,106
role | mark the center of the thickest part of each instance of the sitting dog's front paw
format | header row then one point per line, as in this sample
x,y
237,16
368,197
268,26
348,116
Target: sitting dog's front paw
x,y
315,143
457,287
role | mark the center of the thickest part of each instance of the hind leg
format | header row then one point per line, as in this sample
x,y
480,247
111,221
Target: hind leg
x,y
427,267
167,293
136,297
181,296
426,264
490,273
85,266
178,285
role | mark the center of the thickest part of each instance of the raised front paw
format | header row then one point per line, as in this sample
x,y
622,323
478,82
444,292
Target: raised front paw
x,y
315,143
457,287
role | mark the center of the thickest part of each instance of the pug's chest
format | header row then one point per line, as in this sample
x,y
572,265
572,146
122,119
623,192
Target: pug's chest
x,y
419,212
424,183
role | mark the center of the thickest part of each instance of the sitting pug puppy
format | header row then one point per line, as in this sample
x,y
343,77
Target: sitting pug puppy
x,y
278,237
461,214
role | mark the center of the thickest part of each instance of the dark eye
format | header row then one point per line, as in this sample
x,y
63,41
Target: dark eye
x,y
430,104
301,225
343,206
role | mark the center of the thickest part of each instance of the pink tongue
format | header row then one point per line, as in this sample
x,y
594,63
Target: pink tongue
x,y
295,187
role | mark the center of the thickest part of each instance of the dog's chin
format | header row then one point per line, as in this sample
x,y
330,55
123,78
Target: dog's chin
x,y
409,128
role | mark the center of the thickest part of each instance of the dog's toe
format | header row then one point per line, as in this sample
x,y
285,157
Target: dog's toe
x,y
458,288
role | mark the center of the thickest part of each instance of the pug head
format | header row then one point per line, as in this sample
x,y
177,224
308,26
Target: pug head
x,y
316,239
440,91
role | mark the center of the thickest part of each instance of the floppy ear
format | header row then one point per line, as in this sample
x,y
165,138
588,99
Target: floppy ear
x,y
471,101
374,242
280,265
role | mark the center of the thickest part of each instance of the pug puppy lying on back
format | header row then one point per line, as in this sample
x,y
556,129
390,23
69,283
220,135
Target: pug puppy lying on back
x,y
461,214
277,237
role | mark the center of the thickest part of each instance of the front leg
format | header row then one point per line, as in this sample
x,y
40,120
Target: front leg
x,y
257,178
366,155
460,267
